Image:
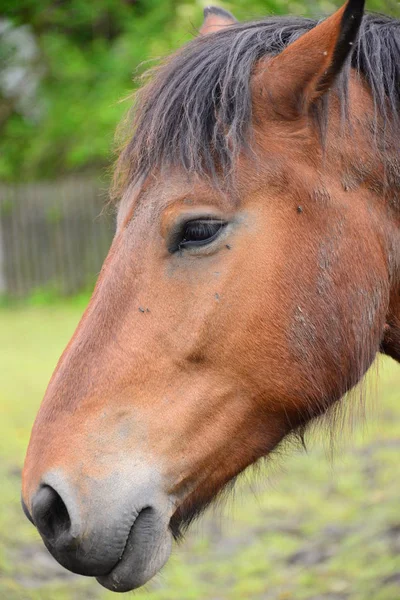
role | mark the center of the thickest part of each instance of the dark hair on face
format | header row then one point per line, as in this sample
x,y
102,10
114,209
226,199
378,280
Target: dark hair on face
x,y
196,110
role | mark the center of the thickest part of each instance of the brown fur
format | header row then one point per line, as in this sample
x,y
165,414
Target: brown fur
x,y
208,361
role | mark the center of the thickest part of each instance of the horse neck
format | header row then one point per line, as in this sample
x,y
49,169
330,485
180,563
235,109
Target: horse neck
x,y
364,150
391,342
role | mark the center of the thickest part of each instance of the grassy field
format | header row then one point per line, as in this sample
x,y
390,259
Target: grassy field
x,y
304,528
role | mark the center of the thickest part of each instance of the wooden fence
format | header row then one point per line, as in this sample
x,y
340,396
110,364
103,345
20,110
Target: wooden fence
x,y
52,235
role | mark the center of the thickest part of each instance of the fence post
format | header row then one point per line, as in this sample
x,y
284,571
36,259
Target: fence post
x,y
48,238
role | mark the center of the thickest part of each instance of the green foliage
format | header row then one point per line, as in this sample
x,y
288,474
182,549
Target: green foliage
x,y
89,52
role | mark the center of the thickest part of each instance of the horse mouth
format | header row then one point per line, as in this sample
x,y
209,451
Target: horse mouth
x,y
146,551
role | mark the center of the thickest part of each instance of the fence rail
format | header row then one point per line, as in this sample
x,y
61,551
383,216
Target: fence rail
x,y
52,235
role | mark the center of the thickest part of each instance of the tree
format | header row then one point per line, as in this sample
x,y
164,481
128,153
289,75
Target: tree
x,y
63,115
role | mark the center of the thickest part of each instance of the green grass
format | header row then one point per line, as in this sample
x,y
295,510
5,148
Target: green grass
x,y
303,528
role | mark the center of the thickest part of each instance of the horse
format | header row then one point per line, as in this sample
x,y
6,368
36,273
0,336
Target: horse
x,y
253,278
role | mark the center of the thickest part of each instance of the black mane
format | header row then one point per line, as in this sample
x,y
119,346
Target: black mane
x,y
196,109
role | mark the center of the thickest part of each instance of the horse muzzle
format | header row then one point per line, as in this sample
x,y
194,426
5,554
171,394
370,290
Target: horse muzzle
x,y
112,529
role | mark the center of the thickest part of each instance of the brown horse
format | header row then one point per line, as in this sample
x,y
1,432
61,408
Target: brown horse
x,y
253,278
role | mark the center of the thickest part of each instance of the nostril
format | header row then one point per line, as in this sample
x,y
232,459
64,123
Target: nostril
x,y
50,515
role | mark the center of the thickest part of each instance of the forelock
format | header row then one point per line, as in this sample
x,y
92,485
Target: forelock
x,y
195,112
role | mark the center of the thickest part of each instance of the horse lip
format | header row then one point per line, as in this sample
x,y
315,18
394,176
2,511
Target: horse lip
x,y
143,555
110,580
125,545
128,537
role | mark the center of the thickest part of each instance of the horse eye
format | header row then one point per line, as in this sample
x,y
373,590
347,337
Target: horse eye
x,y
199,233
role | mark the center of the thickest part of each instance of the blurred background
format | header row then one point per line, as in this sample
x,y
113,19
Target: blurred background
x,y
302,527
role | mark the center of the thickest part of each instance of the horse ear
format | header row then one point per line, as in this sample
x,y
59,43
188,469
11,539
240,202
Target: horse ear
x,y
216,18
307,68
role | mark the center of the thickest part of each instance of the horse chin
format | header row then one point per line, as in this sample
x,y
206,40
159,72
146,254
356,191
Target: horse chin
x,y
147,549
